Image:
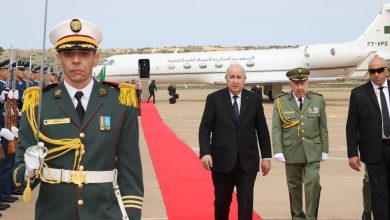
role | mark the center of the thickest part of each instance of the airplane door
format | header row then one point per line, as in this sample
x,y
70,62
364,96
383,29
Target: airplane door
x,y
144,68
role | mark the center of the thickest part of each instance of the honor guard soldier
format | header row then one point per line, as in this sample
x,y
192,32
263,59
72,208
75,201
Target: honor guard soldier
x,y
87,157
300,140
7,157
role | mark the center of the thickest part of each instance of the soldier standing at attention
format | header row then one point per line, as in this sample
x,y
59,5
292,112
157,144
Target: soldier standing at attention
x,y
300,140
92,169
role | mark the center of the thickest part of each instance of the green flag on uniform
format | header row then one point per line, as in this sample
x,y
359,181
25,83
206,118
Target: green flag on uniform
x,y
102,74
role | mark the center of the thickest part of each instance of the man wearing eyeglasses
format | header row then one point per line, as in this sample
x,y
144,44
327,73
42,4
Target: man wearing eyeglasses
x,y
368,134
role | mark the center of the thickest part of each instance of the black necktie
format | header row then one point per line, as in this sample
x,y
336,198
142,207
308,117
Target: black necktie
x,y
79,108
385,113
235,108
300,104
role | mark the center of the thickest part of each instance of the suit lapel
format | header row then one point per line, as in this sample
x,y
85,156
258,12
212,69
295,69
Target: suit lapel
x,y
65,104
244,104
228,103
306,103
94,101
292,102
371,94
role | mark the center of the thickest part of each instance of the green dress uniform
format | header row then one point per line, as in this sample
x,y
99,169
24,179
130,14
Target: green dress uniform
x,y
302,136
109,134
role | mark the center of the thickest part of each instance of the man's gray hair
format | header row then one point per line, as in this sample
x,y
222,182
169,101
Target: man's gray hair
x,y
233,65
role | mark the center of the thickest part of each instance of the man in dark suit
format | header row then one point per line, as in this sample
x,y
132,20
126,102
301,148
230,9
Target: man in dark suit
x,y
233,122
368,135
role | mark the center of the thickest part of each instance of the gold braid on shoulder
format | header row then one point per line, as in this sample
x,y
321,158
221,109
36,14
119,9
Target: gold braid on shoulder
x,y
286,123
31,100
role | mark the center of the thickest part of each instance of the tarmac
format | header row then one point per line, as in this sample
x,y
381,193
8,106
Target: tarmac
x,y
341,196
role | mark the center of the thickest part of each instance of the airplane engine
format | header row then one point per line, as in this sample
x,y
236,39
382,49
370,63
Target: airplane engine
x,y
333,55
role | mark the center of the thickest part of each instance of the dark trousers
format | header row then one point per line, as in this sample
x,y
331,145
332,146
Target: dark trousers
x,y
6,166
150,95
223,189
379,175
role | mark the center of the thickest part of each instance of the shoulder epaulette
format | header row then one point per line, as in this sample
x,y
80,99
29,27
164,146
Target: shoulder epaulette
x,y
112,84
48,87
127,95
315,93
281,94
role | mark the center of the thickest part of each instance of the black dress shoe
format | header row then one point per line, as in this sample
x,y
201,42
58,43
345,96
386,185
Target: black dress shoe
x,y
7,200
17,192
4,206
14,198
366,216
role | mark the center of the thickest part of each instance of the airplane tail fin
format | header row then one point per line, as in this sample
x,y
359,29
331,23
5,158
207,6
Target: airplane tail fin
x,y
377,35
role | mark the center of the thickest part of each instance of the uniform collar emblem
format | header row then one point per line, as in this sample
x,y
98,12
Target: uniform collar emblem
x,y
58,93
102,91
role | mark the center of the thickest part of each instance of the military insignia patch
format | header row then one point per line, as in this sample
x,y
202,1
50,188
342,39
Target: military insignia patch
x,y
300,70
314,110
102,91
104,123
58,92
75,25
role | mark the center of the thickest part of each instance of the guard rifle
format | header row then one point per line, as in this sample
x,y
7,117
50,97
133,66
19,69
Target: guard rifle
x,y
10,106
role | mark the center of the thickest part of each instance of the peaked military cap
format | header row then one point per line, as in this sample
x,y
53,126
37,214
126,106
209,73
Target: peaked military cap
x,y
4,64
35,68
76,34
20,65
298,74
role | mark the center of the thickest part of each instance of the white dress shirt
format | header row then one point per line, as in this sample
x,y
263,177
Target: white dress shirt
x,y
378,97
86,93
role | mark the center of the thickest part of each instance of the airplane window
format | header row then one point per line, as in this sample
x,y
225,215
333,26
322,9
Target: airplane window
x,y
218,64
250,63
202,65
171,66
187,65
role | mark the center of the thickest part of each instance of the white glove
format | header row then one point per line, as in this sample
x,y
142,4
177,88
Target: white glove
x,y
279,157
10,94
33,158
32,164
2,96
324,156
15,131
15,94
4,132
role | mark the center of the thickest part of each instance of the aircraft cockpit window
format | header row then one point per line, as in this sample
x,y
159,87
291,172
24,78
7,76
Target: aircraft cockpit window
x,y
187,65
202,65
107,62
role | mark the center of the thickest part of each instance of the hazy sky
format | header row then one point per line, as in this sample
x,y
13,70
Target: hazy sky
x,y
157,23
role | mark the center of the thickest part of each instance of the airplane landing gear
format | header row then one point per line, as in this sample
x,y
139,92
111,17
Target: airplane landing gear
x,y
173,94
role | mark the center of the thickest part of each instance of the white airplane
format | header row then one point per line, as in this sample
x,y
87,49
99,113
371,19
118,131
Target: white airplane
x,y
327,62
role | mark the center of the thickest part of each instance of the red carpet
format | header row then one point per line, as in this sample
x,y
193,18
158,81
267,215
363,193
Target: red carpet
x,y
186,186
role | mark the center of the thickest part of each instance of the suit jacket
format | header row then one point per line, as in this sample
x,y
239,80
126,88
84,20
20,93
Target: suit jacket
x,y
113,148
306,141
226,139
364,124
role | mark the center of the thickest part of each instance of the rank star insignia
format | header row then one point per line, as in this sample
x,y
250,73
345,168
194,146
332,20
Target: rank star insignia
x,y
102,91
75,25
58,92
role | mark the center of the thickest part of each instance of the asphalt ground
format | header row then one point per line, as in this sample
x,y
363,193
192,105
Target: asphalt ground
x,y
341,196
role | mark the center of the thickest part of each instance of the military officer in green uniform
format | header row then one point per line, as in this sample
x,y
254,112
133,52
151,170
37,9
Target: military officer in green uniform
x,y
300,140
87,157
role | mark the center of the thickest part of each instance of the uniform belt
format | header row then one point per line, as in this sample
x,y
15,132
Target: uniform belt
x,y
386,141
78,177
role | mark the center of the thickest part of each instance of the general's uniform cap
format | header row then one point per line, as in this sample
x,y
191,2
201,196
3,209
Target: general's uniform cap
x,y
4,64
298,74
76,34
